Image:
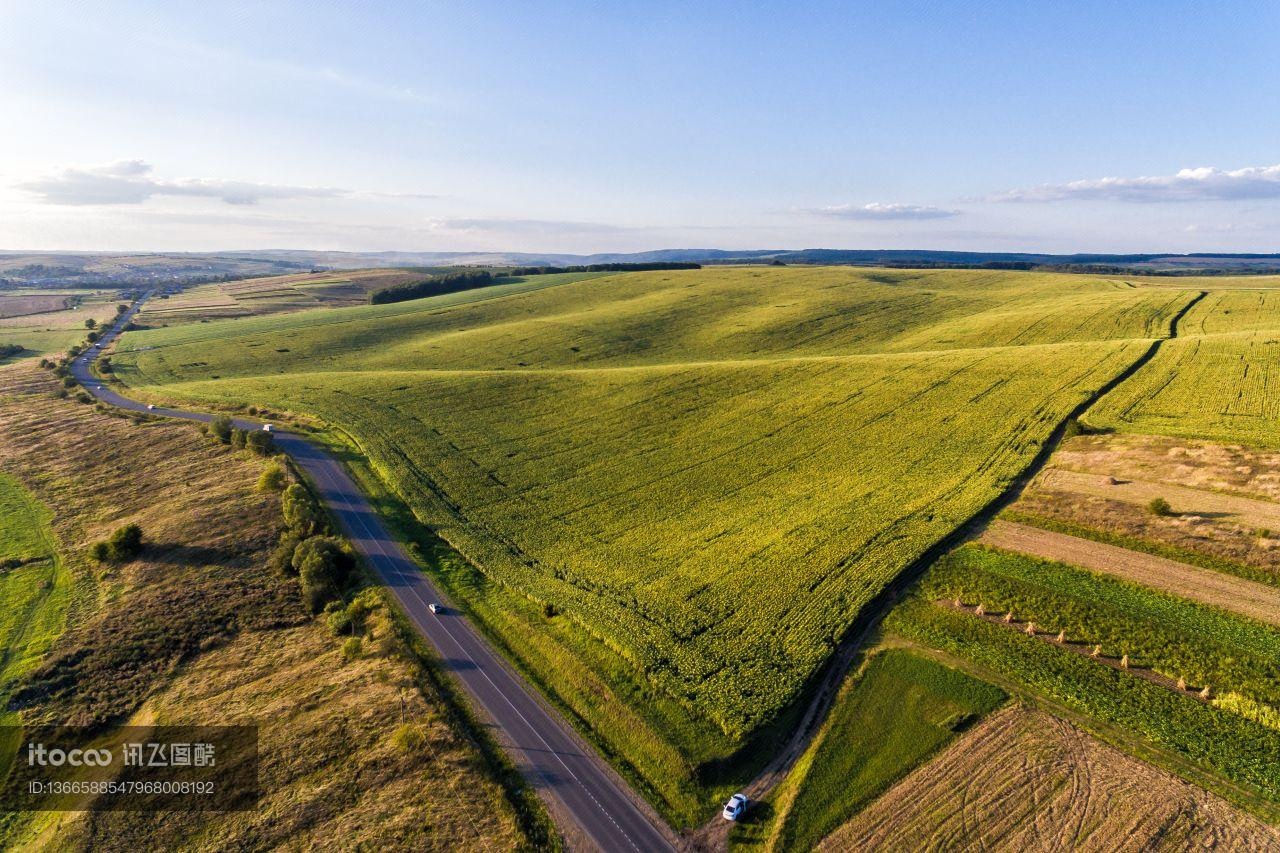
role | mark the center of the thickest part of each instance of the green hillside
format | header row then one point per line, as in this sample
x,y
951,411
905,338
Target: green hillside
x,y
682,486
1215,380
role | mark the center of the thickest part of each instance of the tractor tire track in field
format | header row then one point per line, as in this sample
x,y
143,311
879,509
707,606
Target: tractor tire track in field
x,y
824,686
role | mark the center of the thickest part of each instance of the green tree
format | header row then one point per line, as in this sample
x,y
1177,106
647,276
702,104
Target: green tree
x,y
281,559
300,510
323,568
220,428
90,323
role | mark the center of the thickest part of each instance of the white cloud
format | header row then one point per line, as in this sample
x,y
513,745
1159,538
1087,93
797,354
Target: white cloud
x,y
131,182
878,210
1201,184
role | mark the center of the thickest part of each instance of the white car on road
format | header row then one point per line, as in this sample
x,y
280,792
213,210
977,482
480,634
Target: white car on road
x,y
736,807
434,608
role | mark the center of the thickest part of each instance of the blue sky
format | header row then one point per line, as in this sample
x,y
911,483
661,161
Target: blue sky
x,y
627,126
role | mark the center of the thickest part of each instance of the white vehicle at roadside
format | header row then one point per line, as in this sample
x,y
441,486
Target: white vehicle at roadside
x,y
267,428
736,807
150,406
434,608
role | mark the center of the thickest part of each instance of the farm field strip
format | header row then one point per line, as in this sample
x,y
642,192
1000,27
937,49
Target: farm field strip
x,y
1234,594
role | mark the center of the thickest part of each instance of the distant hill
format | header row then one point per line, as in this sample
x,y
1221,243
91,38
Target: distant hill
x,y
126,269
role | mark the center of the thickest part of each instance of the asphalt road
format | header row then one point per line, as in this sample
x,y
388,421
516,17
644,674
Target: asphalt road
x,y
576,783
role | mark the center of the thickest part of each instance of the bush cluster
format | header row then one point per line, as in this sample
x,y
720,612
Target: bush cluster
x,y
120,547
323,564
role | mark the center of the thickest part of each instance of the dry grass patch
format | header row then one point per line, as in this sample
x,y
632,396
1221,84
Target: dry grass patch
x,y
334,770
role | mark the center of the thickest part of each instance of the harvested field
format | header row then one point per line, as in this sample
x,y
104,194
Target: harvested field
x,y
1025,780
21,306
1234,594
1202,465
1190,504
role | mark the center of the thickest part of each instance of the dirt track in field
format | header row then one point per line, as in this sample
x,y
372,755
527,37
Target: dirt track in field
x,y
1185,501
1025,780
1254,600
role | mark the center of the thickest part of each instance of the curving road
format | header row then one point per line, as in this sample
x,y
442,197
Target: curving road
x,y
590,803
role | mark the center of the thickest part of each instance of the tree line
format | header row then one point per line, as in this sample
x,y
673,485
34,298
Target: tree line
x,y
436,285
636,267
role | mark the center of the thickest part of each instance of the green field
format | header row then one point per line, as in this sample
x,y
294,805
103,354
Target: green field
x,y
900,711
704,474
1215,380
33,585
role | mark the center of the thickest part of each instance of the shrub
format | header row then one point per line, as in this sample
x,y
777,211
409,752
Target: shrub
x,y
273,478
92,337
104,365
300,510
237,438
351,648
69,382
261,443
410,738
339,621
1160,506
220,428
121,546
84,397
126,542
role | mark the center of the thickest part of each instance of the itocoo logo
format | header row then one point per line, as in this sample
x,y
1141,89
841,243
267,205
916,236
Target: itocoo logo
x,y
37,754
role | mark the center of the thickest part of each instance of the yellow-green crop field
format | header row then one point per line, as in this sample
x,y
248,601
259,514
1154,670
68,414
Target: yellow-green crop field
x,y
1215,380
708,472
